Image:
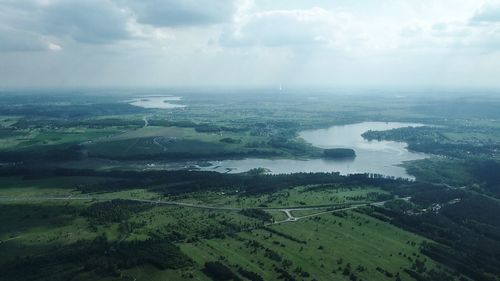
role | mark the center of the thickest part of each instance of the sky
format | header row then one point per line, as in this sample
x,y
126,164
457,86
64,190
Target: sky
x,y
249,43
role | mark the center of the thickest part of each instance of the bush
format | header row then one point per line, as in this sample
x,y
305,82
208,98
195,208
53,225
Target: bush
x,y
218,271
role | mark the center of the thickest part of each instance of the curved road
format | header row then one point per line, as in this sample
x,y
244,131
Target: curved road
x,y
288,211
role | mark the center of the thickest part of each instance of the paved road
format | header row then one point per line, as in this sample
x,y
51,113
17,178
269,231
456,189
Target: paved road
x,y
287,211
291,218
88,198
289,215
189,205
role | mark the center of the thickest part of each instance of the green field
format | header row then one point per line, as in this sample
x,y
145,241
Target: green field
x,y
86,191
330,244
294,197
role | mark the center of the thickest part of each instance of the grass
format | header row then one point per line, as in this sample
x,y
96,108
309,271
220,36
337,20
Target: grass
x,y
300,213
153,131
32,138
153,140
330,241
278,215
6,121
35,227
298,196
359,241
15,188
190,223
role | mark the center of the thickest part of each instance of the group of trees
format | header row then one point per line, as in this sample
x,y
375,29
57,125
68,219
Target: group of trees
x,y
116,210
48,153
184,181
70,111
284,235
217,271
487,173
466,227
257,214
99,256
186,155
339,153
94,123
433,140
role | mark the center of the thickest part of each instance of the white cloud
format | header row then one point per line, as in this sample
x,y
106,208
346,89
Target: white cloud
x,y
283,28
54,47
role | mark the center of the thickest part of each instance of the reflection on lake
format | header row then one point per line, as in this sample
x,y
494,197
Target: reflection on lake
x,y
379,157
162,102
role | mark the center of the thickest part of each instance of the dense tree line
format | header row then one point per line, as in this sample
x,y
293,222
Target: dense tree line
x,y
257,214
217,271
461,109
190,181
230,140
339,153
433,140
465,226
99,256
172,156
26,123
70,111
285,235
116,210
487,173
250,275
47,153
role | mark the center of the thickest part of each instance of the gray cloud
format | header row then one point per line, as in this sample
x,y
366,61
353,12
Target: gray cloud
x,y
175,13
33,25
488,13
18,40
24,25
90,21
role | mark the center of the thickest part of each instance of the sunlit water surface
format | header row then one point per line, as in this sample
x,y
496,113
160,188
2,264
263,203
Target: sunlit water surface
x,y
161,102
378,157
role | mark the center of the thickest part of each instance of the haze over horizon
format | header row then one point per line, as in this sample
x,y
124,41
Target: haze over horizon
x,y
245,43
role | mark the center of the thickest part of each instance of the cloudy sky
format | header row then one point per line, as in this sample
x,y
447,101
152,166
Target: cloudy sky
x,y
198,43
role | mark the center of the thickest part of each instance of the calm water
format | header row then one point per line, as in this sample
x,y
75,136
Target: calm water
x,y
380,157
162,102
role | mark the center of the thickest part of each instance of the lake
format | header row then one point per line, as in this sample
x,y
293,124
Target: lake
x,y
378,157
161,102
